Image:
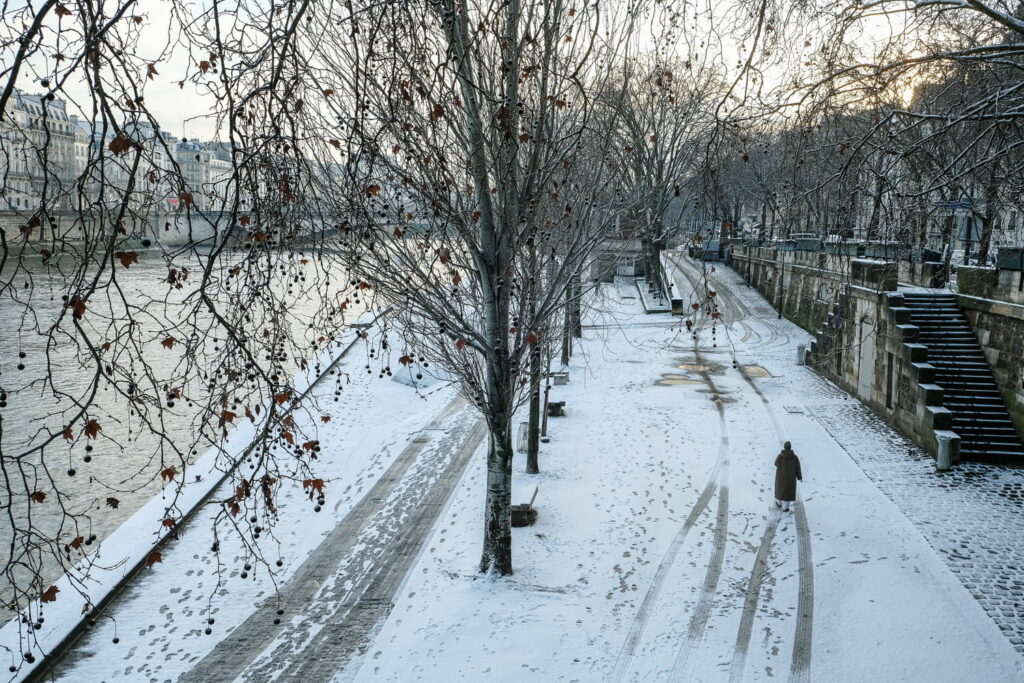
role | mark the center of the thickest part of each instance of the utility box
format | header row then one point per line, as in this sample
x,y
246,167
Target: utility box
x,y
677,307
801,354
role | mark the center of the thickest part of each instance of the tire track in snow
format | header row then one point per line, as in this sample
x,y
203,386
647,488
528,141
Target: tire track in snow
x,y
628,649
801,657
739,656
236,651
368,602
741,311
753,592
625,656
800,665
702,609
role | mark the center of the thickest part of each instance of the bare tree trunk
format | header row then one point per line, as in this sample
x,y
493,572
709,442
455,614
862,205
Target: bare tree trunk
x,y
921,218
497,551
575,307
533,447
988,222
566,335
876,211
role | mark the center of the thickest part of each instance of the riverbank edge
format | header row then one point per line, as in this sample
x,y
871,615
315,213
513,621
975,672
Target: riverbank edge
x,y
123,554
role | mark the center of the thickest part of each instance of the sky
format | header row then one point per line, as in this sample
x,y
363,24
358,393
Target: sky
x,y
706,32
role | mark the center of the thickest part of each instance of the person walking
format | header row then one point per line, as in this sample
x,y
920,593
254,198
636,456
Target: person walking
x,y
787,474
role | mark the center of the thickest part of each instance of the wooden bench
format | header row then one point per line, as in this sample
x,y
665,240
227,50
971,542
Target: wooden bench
x,y
556,409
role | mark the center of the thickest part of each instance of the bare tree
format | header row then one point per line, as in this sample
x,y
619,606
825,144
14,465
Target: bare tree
x,y
478,161
664,119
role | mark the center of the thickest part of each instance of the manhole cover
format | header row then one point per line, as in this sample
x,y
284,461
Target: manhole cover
x,y
793,409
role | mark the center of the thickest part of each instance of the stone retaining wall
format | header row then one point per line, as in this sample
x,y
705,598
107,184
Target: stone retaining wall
x,y
864,342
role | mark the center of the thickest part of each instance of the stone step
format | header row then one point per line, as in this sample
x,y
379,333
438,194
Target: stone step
x,y
970,355
945,361
964,386
931,324
990,404
955,398
956,394
938,323
999,430
938,316
969,439
942,329
967,385
981,423
951,399
1005,440
940,335
958,346
964,393
969,453
963,376
984,400
962,370
952,345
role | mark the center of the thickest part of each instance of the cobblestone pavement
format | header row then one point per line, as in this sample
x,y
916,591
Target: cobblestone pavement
x,y
973,516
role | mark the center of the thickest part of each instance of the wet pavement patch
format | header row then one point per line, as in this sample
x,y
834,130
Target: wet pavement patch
x,y
694,367
754,371
673,380
717,396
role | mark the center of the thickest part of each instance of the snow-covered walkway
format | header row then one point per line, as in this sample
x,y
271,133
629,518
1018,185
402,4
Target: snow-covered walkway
x,y
657,556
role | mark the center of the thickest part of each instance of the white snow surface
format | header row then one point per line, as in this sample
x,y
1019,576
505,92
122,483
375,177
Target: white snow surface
x,y
623,471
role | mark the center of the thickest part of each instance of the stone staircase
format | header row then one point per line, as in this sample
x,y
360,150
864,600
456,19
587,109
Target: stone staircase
x,y
955,364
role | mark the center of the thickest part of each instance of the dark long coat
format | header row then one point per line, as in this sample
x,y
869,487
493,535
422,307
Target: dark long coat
x,y
787,472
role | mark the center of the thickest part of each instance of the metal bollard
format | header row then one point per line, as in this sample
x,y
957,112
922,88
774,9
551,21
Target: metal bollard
x,y
944,458
801,353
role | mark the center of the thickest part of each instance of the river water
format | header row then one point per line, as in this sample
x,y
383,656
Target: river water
x,y
123,462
